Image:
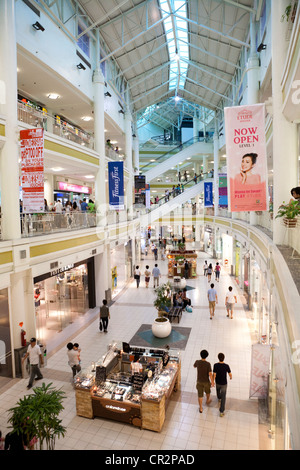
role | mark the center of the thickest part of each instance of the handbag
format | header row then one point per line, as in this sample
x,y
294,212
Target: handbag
x,y
100,325
136,276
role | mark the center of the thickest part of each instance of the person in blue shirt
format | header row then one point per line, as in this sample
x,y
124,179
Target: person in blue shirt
x,y
84,206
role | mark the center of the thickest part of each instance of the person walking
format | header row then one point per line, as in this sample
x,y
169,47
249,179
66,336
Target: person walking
x,y
147,276
220,372
230,300
217,272
205,379
156,275
137,276
209,272
35,357
212,300
73,358
205,266
104,315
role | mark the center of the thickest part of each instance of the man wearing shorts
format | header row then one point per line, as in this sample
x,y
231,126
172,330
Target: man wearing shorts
x,y
212,300
205,379
230,300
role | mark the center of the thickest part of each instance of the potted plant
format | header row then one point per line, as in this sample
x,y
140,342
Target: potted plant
x,y
35,417
161,327
163,298
289,212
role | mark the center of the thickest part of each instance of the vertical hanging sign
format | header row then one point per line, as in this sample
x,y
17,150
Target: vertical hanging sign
x,y
32,169
246,158
116,185
208,195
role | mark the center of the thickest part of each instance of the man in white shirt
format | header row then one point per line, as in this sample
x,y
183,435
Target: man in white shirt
x,y
35,356
230,300
58,206
212,300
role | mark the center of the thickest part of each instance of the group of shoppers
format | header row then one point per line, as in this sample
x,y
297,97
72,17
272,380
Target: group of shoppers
x,y
156,274
208,271
230,300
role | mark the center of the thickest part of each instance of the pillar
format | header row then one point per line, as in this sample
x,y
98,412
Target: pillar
x,y
285,145
253,82
216,169
128,162
99,136
9,164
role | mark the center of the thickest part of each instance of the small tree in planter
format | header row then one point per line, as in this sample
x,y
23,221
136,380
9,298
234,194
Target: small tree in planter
x,y
36,416
163,297
289,212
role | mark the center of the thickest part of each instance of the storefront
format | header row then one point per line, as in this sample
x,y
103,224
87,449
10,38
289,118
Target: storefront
x,y
121,266
63,295
71,192
5,336
227,245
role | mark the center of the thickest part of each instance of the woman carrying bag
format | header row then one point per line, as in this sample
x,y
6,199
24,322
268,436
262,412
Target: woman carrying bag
x,y
137,276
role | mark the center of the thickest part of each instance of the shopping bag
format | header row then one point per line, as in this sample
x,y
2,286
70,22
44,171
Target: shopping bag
x,y
189,309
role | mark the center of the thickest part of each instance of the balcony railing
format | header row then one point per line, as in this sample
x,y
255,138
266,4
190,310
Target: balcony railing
x,y
37,118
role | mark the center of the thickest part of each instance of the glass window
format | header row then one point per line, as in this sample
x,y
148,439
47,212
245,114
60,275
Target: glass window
x,y
84,41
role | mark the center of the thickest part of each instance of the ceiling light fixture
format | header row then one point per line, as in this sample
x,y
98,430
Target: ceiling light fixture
x,y
57,169
53,96
38,27
107,94
121,111
80,66
86,118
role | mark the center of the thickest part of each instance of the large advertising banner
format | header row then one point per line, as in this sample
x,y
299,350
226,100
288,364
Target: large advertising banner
x,y
116,185
246,158
260,368
32,170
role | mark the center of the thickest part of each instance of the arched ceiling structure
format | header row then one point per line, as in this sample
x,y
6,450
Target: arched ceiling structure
x,y
177,56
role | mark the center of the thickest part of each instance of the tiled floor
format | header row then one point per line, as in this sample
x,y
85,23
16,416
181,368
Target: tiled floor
x,y
185,428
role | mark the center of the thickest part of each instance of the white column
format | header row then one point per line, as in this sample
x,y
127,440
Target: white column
x,y
10,213
136,154
216,170
49,189
128,162
285,148
100,185
253,82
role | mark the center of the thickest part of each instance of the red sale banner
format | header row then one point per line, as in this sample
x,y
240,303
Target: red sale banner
x,y
32,169
246,158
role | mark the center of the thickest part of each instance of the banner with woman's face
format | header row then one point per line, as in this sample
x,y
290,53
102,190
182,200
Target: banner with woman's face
x,y
246,158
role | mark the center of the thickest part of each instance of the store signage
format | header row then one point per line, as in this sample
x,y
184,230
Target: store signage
x,y
246,158
74,188
57,271
115,408
32,170
116,185
208,194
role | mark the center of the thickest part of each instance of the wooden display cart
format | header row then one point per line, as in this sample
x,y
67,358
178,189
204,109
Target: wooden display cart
x,y
176,259
148,414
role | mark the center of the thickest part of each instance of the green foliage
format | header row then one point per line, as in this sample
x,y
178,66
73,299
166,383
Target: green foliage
x,y
163,296
290,210
36,416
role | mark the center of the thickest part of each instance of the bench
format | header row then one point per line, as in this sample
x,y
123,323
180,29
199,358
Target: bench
x,y
175,313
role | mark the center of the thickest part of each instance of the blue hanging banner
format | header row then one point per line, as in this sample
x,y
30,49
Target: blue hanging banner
x,y
116,185
208,195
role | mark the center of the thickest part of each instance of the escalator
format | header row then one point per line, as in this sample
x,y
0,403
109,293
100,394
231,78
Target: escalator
x,y
188,191
197,146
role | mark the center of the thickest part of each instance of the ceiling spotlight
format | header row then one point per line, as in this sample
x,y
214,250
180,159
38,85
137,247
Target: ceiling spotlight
x,y
107,93
38,27
86,118
261,47
53,96
133,135
177,98
121,111
81,66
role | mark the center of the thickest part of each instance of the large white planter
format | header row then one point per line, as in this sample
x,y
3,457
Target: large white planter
x,y
161,327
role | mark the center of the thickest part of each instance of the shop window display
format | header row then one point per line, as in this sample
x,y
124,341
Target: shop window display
x,y
59,300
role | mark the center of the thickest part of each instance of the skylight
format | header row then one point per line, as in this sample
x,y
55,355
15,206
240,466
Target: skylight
x,y
177,36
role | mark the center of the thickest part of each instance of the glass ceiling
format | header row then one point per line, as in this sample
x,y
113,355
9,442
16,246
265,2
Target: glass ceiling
x,y
177,38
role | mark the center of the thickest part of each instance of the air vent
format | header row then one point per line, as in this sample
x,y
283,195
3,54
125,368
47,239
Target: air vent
x,y
94,252
54,265
22,254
